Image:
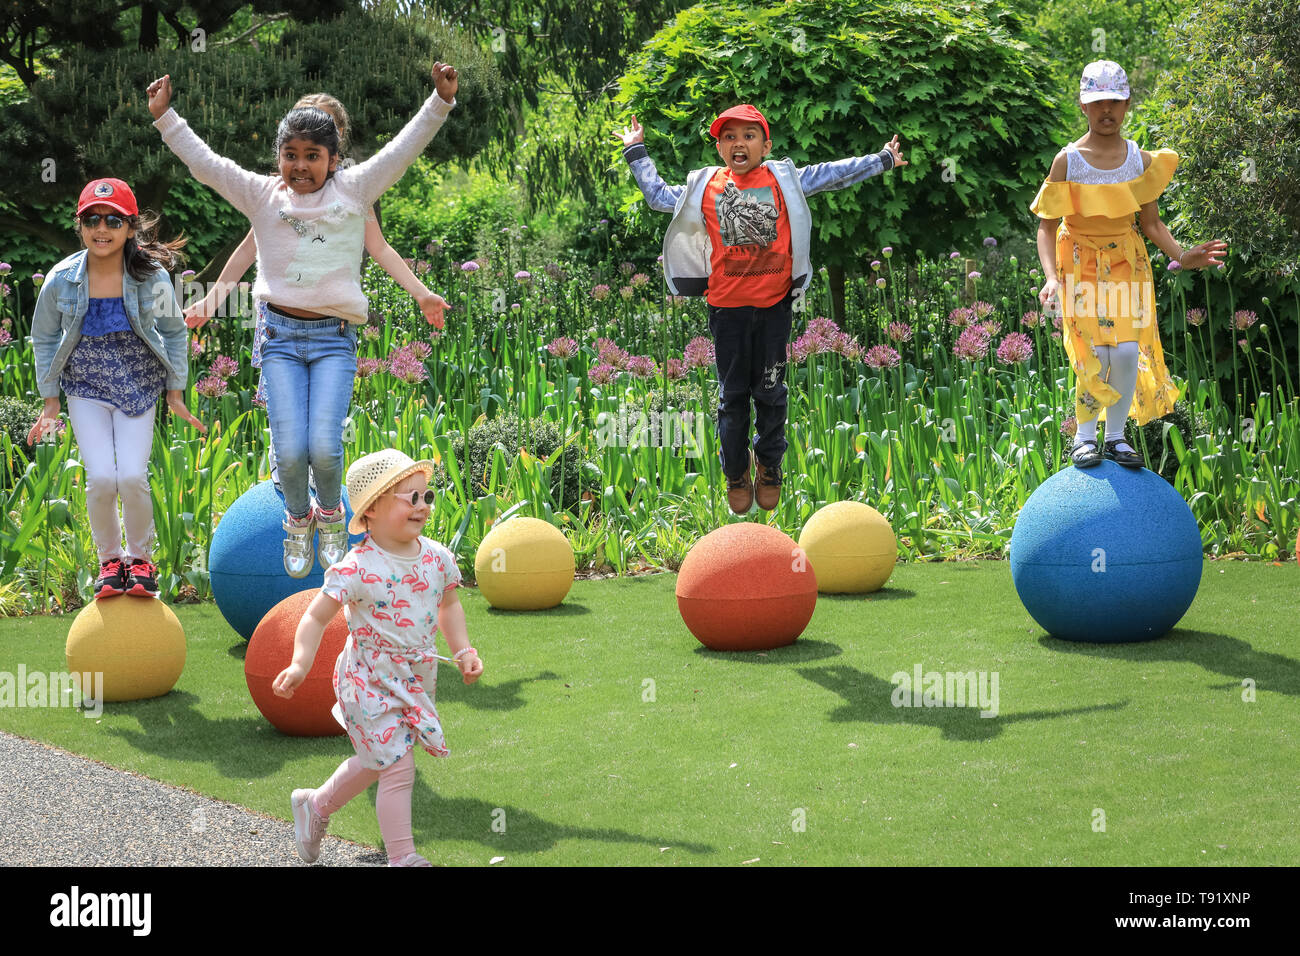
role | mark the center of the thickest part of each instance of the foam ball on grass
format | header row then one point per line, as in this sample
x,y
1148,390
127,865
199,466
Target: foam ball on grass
x,y
851,547
524,564
138,644
246,559
1106,555
307,712
746,587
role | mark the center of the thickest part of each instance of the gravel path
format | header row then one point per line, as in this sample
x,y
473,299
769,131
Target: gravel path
x,y
59,809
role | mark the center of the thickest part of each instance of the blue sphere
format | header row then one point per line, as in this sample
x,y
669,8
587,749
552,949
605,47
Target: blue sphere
x,y
246,559
1106,555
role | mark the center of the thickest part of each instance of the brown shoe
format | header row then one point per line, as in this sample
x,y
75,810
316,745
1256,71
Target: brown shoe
x,y
740,493
768,486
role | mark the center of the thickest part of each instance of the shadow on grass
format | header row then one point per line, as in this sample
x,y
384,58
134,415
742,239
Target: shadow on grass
x,y
567,609
484,696
869,699
238,650
800,652
435,818
884,594
1217,653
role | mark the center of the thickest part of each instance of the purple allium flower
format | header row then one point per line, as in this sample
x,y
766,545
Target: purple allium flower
x,y
1244,319
640,279
627,268
1195,316
990,241
972,344
38,278
887,251
223,366
881,356
1015,348
608,352
213,386
982,310
523,277
1031,320
563,347
626,292
421,350
991,326
600,292
370,332
1070,426
961,316
402,364
848,346
954,256
5,337
470,266
367,367
880,283
972,275
5,268
196,348
642,366
421,267
4,290
434,248
899,332
1174,265
699,352
675,369
602,374
875,265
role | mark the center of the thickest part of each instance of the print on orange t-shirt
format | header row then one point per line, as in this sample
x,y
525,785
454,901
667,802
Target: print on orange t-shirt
x,y
750,233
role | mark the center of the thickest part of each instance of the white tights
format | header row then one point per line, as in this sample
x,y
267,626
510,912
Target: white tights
x,y
1119,370
115,455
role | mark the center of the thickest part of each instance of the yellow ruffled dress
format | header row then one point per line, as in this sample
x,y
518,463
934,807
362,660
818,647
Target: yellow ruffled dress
x,y
1098,247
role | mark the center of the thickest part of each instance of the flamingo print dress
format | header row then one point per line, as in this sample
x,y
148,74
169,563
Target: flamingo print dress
x,y
385,678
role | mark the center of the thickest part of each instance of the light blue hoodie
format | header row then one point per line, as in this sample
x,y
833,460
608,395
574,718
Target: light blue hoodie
x,y
61,307
686,241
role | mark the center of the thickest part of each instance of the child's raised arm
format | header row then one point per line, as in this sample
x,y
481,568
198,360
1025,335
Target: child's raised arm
x,y
306,642
242,189
659,196
1153,227
386,167
197,315
431,304
840,173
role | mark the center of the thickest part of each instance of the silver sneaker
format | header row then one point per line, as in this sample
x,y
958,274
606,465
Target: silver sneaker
x,y
308,825
333,542
411,859
298,548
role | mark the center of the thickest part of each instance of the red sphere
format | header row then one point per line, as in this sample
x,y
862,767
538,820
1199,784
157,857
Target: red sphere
x,y
270,650
746,587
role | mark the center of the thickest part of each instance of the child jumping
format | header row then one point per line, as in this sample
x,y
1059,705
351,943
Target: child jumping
x,y
740,234
108,333
1108,309
397,589
309,221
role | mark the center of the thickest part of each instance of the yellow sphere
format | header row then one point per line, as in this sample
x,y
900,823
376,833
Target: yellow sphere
x,y
851,547
524,564
136,643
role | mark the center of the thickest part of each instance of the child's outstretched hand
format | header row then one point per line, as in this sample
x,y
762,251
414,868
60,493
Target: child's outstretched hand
x,y
1206,254
288,680
896,151
433,306
160,96
471,668
48,421
176,402
631,135
1050,292
445,81
197,315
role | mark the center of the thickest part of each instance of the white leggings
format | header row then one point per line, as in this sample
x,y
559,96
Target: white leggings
x,y
115,454
1119,370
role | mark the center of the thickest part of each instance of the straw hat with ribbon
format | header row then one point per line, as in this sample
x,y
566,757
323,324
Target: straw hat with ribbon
x,y
371,476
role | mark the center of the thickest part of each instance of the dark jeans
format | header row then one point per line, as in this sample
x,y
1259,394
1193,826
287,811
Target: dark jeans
x,y
750,344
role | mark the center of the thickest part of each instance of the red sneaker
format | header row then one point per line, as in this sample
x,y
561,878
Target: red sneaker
x,y
112,579
142,578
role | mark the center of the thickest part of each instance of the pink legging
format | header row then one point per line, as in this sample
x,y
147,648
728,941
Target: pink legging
x,y
392,804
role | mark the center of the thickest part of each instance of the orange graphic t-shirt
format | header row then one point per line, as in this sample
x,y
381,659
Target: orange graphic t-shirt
x,y
750,261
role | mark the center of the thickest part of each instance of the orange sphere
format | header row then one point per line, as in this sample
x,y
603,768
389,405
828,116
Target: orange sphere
x,y
746,587
270,650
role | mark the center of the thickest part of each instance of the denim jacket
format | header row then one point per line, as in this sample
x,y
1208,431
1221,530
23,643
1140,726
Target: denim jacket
x,y
686,241
61,307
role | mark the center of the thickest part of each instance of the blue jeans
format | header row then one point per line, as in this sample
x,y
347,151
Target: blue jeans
x,y
308,366
750,346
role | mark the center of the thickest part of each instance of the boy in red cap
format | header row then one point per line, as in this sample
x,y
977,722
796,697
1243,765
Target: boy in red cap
x,y
740,235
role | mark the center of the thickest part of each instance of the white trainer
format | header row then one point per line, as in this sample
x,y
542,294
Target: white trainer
x,y
308,825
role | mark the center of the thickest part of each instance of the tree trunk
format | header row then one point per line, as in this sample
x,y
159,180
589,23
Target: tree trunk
x,y
836,276
148,27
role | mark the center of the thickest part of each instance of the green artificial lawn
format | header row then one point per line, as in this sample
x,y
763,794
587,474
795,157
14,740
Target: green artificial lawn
x,y
793,757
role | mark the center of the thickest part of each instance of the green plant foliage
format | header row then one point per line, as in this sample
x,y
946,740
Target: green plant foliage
x,y
540,437
970,97
16,418
1230,106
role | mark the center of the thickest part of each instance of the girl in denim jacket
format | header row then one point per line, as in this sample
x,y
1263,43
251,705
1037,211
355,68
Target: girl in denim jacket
x,y
108,333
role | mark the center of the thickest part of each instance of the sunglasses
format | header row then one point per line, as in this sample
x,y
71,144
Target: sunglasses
x,y
412,498
92,221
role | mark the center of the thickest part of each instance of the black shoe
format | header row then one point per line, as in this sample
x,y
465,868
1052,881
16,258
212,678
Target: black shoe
x,y
112,579
142,578
1082,458
1129,459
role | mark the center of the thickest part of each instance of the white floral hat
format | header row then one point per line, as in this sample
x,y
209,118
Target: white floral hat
x,y
1103,80
370,476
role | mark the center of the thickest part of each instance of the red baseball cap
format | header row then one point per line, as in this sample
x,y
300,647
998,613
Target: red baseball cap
x,y
742,112
108,192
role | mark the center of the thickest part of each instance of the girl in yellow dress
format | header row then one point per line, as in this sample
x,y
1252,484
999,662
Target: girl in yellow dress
x,y
1103,281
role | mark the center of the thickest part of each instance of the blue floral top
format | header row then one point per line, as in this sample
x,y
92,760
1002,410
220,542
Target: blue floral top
x,y
111,363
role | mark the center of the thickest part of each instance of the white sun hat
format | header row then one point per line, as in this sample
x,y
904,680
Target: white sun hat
x,y
371,476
